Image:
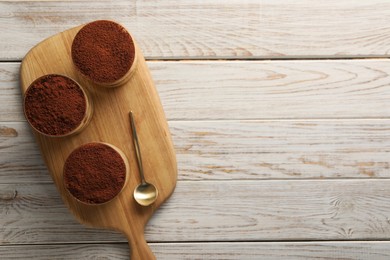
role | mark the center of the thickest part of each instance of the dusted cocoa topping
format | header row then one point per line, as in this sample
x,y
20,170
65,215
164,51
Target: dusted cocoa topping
x,y
94,173
55,105
103,51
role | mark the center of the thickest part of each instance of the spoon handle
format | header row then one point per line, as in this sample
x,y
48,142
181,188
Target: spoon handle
x,y
136,146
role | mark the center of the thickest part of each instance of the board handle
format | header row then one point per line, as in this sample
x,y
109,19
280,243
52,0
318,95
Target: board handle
x,y
139,249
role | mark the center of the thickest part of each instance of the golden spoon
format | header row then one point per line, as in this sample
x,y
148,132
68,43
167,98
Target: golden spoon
x,y
145,193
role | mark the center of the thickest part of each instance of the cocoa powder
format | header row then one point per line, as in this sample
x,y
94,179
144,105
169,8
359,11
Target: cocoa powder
x,y
54,105
94,173
103,51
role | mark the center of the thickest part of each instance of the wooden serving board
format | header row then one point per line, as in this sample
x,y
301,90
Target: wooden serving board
x,y
110,124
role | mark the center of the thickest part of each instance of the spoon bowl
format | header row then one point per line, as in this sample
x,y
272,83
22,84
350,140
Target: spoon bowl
x,y
145,194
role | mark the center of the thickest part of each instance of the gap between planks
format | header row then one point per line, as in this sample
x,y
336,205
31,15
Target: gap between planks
x,y
189,242
260,58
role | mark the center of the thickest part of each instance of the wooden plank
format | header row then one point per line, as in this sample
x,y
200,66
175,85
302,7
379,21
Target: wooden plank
x,y
252,89
67,252
275,250
216,211
240,150
245,150
379,250
235,28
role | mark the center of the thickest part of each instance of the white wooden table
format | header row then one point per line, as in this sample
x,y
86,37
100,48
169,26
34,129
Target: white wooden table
x,y
280,116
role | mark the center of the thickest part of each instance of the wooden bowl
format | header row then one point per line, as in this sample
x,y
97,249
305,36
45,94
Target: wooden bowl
x,y
50,113
104,52
95,173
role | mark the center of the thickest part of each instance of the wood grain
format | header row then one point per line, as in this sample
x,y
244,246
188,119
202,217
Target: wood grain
x,y
216,211
241,150
378,250
209,29
216,90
